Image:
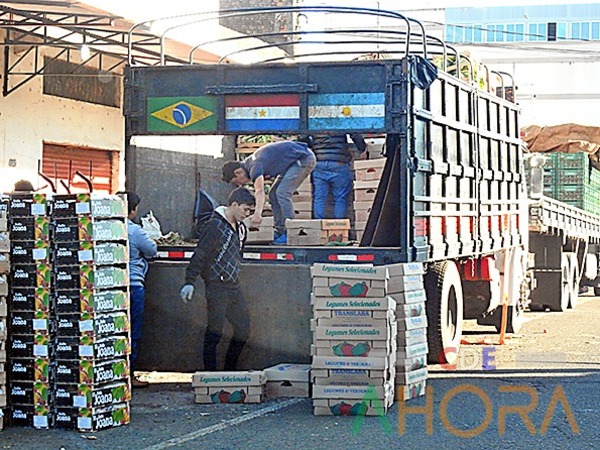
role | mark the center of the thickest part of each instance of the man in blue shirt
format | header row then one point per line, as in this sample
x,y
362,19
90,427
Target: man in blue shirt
x,y
140,248
289,162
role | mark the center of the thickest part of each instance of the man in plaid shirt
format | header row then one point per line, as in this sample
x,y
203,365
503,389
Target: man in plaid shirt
x,y
217,259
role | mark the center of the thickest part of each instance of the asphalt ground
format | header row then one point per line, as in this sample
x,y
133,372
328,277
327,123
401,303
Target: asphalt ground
x,y
552,369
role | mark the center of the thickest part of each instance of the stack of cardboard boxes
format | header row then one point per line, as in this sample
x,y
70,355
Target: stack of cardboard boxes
x,y
30,316
4,271
316,232
261,234
229,387
354,334
91,386
302,200
367,175
406,286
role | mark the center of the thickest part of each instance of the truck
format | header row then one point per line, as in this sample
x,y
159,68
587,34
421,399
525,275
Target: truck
x,y
453,193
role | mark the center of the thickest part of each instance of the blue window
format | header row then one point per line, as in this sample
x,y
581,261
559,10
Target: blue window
x,y
468,34
510,32
520,30
477,33
575,30
542,31
532,32
499,35
596,31
561,31
585,30
490,33
450,33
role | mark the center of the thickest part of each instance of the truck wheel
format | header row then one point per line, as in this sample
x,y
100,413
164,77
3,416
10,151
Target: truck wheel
x,y
574,278
444,312
514,320
597,291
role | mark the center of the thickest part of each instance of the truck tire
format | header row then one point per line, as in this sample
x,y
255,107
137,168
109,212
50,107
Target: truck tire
x,y
597,291
560,302
574,278
444,312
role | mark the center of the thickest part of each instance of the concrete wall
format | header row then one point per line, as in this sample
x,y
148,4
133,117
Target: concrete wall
x,y
279,305
29,118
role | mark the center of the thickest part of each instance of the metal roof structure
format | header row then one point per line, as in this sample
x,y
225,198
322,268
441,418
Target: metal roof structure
x,y
67,26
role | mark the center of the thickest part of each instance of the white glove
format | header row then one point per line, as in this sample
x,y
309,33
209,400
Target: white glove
x,y
187,292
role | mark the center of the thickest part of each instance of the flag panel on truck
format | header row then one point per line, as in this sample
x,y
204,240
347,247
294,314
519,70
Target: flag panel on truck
x,y
181,114
346,111
262,112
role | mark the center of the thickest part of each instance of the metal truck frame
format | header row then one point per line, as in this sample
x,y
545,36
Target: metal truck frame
x,y
453,192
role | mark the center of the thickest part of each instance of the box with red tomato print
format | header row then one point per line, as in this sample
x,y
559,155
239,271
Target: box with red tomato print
x,y
229,387
344,348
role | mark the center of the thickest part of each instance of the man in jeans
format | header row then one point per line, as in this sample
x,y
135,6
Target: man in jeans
x,y
217,259
140,248
289,162
333,172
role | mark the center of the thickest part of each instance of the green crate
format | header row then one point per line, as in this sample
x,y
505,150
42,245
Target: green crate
x,y
573,160
566,176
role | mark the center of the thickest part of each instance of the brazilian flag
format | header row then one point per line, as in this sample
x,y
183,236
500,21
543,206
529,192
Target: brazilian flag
x,y
182,114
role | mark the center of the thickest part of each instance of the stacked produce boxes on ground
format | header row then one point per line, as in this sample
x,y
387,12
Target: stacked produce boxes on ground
x,y
411,362
31,322
91,386
367,175
354,340
288,380
229,387
4,273
317,232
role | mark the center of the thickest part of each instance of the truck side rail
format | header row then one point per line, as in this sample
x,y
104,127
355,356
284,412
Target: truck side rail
x,y
547,215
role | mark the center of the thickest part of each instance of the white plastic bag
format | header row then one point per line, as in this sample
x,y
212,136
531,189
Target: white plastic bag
x,y
151,226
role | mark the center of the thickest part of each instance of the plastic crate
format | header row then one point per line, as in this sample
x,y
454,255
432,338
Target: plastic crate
x,y
573,160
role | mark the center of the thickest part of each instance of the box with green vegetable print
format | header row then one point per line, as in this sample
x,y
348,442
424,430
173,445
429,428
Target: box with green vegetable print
x,y
99,254
89,276
73,205
30,393
229,387
88,396
30,369
30,416
25,299
91,347
92,372
351,407
89,230
92,419
101,324
91,301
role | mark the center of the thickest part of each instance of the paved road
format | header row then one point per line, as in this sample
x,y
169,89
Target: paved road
x,y
553,366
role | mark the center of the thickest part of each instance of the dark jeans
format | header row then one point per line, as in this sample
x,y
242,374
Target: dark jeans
x,y
283,188
225,301
138,298
334,177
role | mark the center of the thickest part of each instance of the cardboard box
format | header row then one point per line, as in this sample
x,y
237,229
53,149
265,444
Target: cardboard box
x,y
247,390
3,221
38,345
405,283
365,195
404,311
89,205
31,369
92,372
414,363
410,323
345,349
411,337
369,363
412,351
354,333
75,253
31,276
29,416
262,233
30,228
241,378
343,289
91,301
356,322
278,389
353,316
5,262
88,276
364,185
27,205
3,307
368,170
89,347
29,252
89,396
229,396
4,242
410,391
28,299
411,377
352,376
3,329
336,281
30,322
329,303
351,407
288,372
30,393
94,419
100,324
89,229
364,271
358,392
